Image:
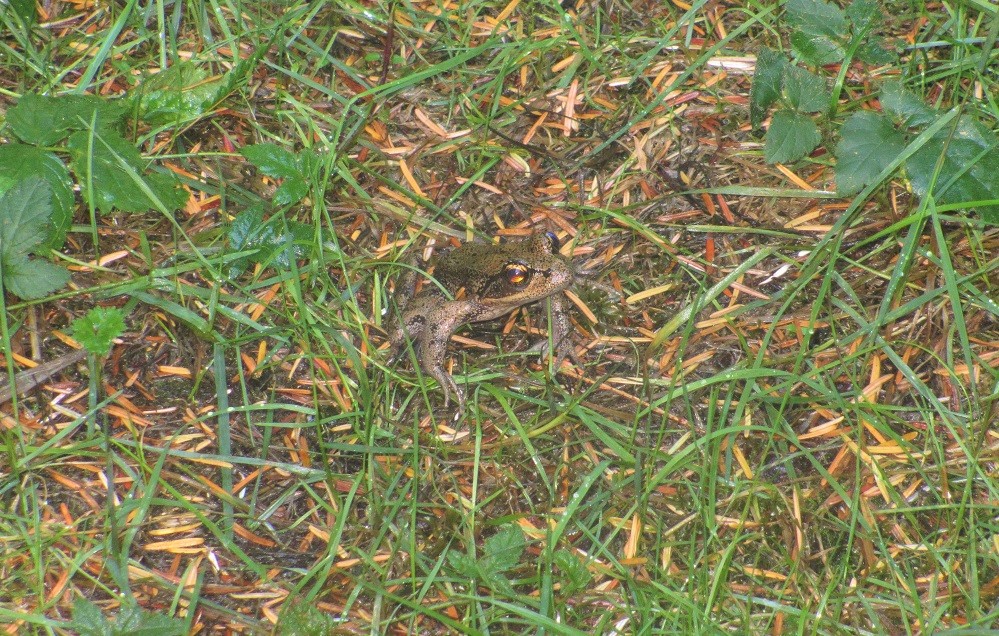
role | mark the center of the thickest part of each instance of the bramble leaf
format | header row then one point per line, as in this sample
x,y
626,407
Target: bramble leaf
x,y
24,216
111,171
768,81
805,91
790,137
20,161
178,94
869,142
970,169
43,120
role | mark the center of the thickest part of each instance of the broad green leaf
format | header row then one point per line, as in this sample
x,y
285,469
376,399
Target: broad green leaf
x,y
816,17
24,10
869,142
24,216
805,91
34,278
820,31
20,161
575,575
874,54
272,160
42,120
970,170
500,553
277,242
181,93
24,213
291,190
768,79
245,229
464,564
864,16
504,549
89,620
275,161
118,179
817,49
790,137
905,105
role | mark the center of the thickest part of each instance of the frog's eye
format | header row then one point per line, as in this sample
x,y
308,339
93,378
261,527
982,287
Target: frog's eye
x,y
553,243
517,274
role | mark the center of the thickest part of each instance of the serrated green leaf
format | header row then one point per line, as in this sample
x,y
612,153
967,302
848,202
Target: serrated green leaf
x,y
575,574
816,17
118,179
464,564
805,91
245,228
970,170
20,161
790,137
291,190
34,278
272,160
497,582
44,120
817,49
24,215
97,330
504,549
89,620
874,54
864,16
245,233
768,81
181,93
905,105
278,241
869,142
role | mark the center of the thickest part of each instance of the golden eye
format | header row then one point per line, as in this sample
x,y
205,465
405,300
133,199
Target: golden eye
x,y
516,274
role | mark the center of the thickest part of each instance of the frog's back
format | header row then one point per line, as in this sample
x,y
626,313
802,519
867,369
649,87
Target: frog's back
x,y
471,264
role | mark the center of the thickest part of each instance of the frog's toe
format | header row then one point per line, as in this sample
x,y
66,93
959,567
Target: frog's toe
x,y
395,353
561,353
568,354
459,398
448,385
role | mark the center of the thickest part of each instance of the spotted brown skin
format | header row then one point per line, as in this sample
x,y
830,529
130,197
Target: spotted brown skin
x,y
483,281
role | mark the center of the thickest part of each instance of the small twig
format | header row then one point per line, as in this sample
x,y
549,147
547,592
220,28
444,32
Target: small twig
x,y
27,380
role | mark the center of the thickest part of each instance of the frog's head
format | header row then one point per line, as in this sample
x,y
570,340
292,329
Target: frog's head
x,y
531,270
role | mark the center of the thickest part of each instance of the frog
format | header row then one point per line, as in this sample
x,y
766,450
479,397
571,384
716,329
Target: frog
x,y
480,282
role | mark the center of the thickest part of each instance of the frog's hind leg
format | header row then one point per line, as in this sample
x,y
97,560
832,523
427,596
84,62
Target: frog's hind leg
x,y
433,347
560,328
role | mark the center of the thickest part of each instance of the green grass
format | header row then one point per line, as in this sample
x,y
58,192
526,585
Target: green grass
x,y
792,433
